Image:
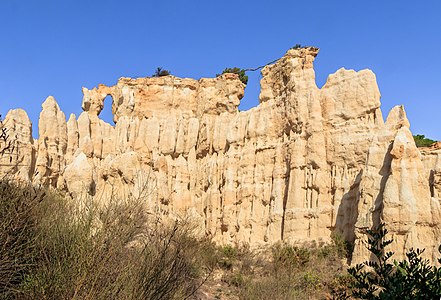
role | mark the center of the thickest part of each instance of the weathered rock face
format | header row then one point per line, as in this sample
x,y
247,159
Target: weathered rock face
x,y
304,163
19,157
395,190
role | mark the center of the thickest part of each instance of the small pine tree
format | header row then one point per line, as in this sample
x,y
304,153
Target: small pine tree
x,y
161,72
241,72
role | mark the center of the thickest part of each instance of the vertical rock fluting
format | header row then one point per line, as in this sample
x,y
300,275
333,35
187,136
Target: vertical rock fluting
x,y
395,190
18,158
410,213
304,163
52,145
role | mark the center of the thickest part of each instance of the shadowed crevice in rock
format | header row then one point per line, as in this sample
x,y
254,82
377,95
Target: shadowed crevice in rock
x,y
347,213
377,212
385,172
285,195
432,183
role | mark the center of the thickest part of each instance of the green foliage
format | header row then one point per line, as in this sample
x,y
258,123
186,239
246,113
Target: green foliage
x,y
412,278
241,72
422,141
161,72
297,46
227,255
229,251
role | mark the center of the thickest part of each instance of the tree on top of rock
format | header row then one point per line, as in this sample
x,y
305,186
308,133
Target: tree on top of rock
x,y
161,72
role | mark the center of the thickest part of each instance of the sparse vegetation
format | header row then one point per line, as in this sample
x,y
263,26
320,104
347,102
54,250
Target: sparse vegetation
x,y
422,141
285,271
240,72
161,72
51,249
297,46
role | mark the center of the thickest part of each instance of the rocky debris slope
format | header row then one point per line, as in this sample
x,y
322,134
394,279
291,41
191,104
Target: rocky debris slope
x,y
306,162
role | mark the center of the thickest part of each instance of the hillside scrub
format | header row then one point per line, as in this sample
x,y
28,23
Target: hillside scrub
x,y
54,248
51,249
284,271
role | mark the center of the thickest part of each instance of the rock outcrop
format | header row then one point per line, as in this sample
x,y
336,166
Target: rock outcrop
x,y
306,162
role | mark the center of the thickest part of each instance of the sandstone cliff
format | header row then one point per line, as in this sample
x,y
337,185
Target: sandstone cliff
x,y
304,163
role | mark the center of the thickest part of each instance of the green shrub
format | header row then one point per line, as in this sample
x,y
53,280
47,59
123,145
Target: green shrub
x,y
229,251
161,72
412,278
290,256
422,141
227,255
241,72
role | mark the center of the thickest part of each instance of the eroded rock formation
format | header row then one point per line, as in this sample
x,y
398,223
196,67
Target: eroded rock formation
x,y
304,163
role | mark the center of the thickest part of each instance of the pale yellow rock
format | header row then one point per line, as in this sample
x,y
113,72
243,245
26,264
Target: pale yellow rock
x,y
305,163
79,177
52,144
72,138
167,139
93,100
85,140
410,214
17,146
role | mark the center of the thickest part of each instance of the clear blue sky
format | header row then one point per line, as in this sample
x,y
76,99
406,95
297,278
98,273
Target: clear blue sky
x,y
56,47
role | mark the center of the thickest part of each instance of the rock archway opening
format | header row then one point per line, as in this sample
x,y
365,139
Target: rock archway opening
x,y
252,91
106,114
